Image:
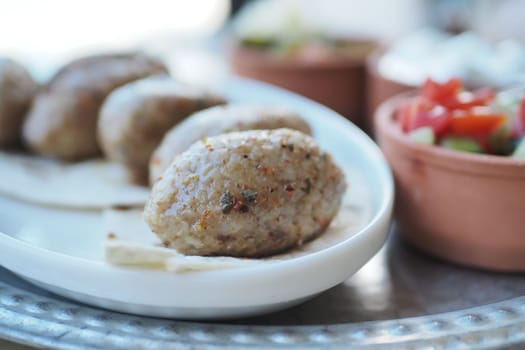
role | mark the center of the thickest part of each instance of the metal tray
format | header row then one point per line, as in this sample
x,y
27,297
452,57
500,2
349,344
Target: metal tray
x,y
400,299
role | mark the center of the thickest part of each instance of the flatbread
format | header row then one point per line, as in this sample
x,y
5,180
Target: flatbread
x,y
91,184
131,243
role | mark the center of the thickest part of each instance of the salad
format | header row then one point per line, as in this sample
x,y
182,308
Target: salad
x,y
311,47
479,121
282,31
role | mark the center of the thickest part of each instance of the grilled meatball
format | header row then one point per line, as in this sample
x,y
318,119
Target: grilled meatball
x,y
63,119
17,89
220,120
246,194
135,117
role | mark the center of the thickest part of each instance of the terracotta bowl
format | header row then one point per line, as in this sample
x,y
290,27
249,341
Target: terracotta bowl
x,y
338,83
462,207
379,88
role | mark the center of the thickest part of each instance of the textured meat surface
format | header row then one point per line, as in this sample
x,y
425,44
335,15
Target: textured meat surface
x,y
135,117
63,119
220,120
246,194
17,89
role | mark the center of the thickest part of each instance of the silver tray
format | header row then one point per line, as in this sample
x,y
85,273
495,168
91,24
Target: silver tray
x,y
400,299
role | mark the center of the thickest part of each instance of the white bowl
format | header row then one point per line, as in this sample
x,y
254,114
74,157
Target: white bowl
x,y
62,250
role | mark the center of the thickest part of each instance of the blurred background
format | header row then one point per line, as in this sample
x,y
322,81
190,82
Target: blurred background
x,y
388,45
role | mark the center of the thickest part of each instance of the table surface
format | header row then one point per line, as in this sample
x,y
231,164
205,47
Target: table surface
x,y
7,345
398,282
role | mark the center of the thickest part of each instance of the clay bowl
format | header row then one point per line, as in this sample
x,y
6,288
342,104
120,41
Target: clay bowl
x,y
462,207
338,82
378,87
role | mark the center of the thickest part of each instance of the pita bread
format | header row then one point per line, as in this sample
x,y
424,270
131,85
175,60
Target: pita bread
x,y
91,184
131,243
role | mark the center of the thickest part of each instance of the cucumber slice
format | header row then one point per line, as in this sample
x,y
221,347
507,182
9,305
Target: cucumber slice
x,y
424,135
519,152
465,144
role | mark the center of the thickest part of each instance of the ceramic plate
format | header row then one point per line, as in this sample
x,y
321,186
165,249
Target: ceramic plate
x,y
62,250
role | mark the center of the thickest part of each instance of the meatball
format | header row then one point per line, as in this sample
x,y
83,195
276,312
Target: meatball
x,y
63,119
135,117
246,194
17,89
220,120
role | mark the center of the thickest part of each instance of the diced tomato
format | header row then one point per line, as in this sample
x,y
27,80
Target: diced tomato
x,y
477,121
467,100
452,96
421,112
440,93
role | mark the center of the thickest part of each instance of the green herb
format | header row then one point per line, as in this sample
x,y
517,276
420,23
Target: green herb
x,y
226,202
249,195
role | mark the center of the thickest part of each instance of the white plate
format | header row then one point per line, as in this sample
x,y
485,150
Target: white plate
x,y
62,250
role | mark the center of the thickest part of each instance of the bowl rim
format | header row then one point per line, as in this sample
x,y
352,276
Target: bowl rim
x,y
240,55
387,127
